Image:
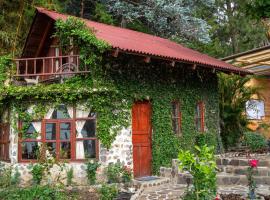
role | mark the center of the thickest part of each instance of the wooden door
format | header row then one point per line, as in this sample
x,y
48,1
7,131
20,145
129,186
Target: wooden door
x,y
141,138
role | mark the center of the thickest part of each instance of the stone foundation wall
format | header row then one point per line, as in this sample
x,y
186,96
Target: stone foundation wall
x,y
121,151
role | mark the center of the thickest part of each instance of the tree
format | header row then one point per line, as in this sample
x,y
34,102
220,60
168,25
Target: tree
x,y
166,18
234,93
15,20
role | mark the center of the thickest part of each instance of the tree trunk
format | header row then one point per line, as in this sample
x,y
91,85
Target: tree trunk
x,y
82,9
123,22
232,28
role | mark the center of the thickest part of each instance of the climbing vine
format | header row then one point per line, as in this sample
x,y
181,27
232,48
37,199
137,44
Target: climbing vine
x,y
113,85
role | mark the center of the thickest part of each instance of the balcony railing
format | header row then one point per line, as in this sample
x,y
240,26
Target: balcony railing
x,y
49,67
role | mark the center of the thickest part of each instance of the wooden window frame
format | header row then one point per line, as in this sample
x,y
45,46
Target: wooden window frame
x,y
72,140
200,117
178,118
4,141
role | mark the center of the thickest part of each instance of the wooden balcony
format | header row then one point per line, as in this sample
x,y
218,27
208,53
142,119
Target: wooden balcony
x,y
42,69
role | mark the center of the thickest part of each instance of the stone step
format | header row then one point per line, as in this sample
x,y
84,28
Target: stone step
x,y
151,183
241,162
226,179
242,170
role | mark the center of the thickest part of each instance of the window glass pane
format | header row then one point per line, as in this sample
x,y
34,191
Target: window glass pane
x,y
33,129
86,128
61,112
255,109
50,131
65,131
86,149
51,146
65,150
29,150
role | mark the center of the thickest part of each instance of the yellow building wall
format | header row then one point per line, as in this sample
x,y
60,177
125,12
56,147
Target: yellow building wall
x,y
264,94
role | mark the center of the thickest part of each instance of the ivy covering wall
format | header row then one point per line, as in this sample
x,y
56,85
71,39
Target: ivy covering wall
x,y
115,83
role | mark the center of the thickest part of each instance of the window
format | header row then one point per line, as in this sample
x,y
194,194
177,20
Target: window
x,y
4,141
199,117
176,117
255,109
29,142
68,134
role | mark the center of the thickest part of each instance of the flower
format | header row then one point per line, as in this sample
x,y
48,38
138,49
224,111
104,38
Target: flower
x,y
217,197
253,163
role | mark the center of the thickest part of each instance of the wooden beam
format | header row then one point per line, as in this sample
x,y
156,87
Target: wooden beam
x,y
147,59
43,38
115,53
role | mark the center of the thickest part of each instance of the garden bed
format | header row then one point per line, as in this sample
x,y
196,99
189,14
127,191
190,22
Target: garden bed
x,y
231,197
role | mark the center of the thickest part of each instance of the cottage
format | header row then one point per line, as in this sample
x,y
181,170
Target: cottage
x,y
148,98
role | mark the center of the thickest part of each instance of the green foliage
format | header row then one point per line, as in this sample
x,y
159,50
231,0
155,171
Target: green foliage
x,y
113,172
75,30
37,172
70,176
34,192
126,174
107,192
5,176
91,170
254,141
8,177
5,63
202,166
15,178
102,15
259,9
234,93
118,173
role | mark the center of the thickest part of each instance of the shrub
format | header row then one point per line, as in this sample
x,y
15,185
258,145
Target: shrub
x,y
5,176
15,178
126,174
37,172
113,172
91,170
107,192
202,166
34,192
254,141
70,176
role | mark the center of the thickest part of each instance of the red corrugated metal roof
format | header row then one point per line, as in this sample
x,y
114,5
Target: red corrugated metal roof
x,y
141,43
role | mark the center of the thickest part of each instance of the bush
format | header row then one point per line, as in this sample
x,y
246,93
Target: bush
x,y
107,192
70,176
126,174
91,170
5,176
254,141
34,192
113,172
37,172
202,166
